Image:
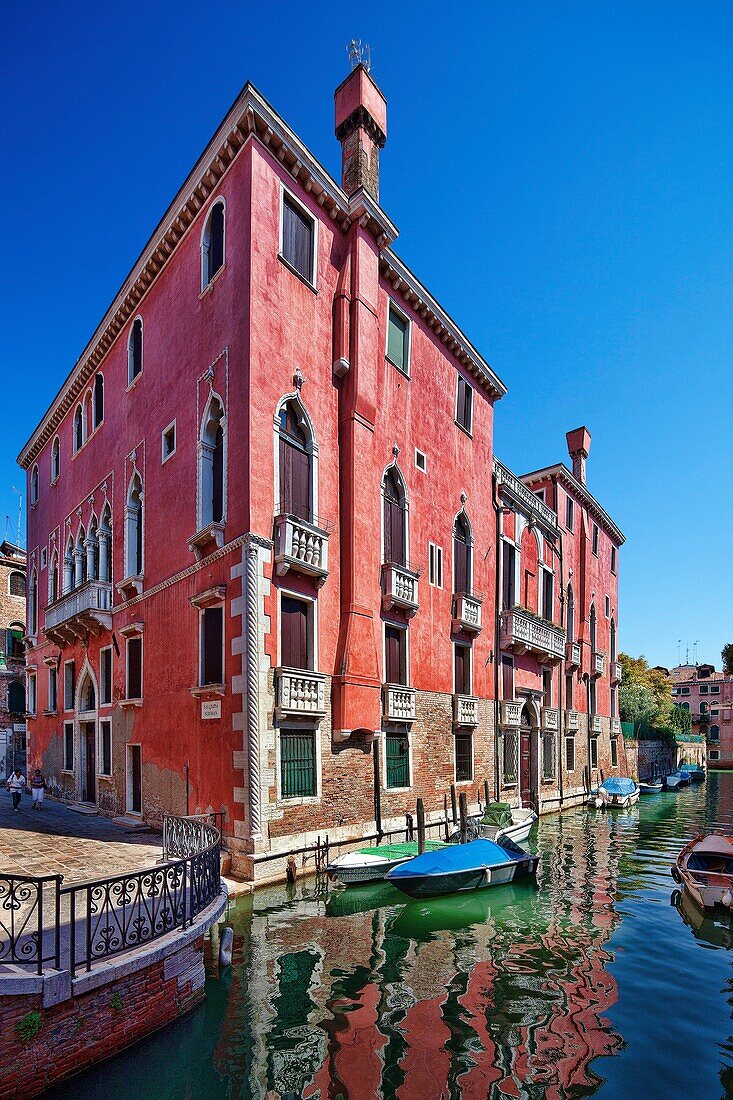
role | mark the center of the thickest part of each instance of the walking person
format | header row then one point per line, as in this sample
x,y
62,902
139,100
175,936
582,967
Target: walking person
x,y
38,786
16,786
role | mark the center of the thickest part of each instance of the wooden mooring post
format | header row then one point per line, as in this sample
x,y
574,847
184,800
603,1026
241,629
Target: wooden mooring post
x,y
486,792
453,804
463,810
420,827
445,816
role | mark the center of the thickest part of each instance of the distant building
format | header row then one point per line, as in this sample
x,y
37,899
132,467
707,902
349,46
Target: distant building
x,y
708,695
12,658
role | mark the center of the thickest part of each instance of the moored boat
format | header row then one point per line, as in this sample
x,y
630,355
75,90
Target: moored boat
x,y
695,772
459,868
500,822
705,868
372,864
651,786
617,790
673,782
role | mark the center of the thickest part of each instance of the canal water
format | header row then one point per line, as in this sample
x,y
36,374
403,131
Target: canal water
x,y
592,983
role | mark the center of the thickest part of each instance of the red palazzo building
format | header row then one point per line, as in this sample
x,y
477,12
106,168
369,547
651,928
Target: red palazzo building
x,y
274,567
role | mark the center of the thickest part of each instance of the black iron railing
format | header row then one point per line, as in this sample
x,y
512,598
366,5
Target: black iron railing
x,y
44,924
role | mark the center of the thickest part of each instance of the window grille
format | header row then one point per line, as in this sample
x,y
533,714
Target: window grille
x,y
511,756
298,764
398,760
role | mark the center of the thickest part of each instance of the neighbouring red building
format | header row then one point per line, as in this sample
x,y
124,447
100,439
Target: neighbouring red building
x,y
708,695
274,568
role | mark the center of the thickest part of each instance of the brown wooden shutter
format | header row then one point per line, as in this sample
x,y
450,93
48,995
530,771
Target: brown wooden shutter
x,y
462,666
212,663
507,677
298,239
394,655
216,240
461,402
508,577
135,668
217,471
293,633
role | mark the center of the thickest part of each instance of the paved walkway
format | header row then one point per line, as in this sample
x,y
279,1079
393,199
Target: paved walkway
x,y
57,841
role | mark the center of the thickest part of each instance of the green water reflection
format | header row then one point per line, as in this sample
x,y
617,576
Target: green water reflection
x,y
591,983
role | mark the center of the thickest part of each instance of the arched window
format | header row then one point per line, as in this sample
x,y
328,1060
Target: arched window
x,y
135,350
98,409
80,558
105,546
16,584
211,464
34,485
53,578
462,554
295,463
134,533
592,628
33,605
612,640
55,459
570,614
395,525
69,577
16,697
703,708
212,244
78,429
91,547
88,416
714,733
87,695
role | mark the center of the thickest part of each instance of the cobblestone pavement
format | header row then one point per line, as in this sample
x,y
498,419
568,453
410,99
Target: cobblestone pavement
x,y
58,841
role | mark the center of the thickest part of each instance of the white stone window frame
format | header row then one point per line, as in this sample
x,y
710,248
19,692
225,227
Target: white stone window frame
x,y
31,694
200,671
311,282
394,465
136,636
201,446
404,627
397,730
569,513
100,702
465,782
392,306
311,449
141,520
52,678
55,459
435,565
308,799
68,765
107,721
35,485
421,461
69,709
170,427
132,380
466,430
206,283
469,647
311,626
570,741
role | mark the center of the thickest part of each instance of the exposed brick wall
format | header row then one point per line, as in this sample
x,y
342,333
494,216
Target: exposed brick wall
x,y
88,1028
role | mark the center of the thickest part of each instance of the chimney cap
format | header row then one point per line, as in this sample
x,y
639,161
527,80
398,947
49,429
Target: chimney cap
x,y
578,441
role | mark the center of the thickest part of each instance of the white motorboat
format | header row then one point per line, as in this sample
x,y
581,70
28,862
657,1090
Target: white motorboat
x,y
617,791
372,864
500,822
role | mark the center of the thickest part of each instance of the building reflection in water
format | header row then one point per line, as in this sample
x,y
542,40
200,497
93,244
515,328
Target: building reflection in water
x,y
502,992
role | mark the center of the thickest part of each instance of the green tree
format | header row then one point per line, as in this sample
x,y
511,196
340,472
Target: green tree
x,y
681,718
727,654
635,672
636,703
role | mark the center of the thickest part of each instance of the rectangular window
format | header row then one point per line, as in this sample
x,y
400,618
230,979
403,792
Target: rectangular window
x,y
592,694
298,763
68,685
569,514
105,676
511,755
462,669
547,595
715,689
31,693
52,689
540,494
397,753
44,557
298,239
714,754
547,686
595,539
613,559
134,668
295,650
435,565
14,645
594,752
212,645
570,754
464,757
613,702
703,689
684,691
105,747
548,755
569,694
508,579
395,655
464,405
68,746
608,607
614,752
168,441
398,339
421,460
507,677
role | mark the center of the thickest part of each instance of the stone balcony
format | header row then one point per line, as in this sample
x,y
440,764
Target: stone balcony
x,y
300,693
573,653
522,631
302,546
399,588
467,612
465,710
594,723
597,664
398,703
511,713
550,719
615,672
77,614
572,721
615,727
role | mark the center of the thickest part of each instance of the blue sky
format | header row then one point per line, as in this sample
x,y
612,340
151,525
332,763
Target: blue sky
x,y
561,175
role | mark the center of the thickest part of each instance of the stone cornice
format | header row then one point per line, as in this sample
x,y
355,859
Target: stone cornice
x,y
422,302
561,472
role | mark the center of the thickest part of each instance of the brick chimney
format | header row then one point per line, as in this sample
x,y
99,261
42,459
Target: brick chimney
x,y
361,127
579,446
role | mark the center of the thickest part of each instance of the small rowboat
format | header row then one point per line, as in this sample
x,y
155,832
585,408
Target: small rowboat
x,y
372,864
617,791
652,786
673,782
705,868
460,868
500,822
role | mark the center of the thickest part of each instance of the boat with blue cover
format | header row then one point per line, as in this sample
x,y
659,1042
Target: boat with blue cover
x,y
695,772
676,780
463,867
617,790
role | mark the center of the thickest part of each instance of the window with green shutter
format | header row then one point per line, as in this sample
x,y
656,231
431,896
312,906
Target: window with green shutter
x,y
398,760
397,340
298,763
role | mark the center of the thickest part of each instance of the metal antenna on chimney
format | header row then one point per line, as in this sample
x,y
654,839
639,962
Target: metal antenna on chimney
x,y
360,54
679,642
694,652
20,512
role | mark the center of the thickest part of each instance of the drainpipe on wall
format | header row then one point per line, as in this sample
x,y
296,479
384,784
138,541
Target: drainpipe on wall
x,y
586,677
497,628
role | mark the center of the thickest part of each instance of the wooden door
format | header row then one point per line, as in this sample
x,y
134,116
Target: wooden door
x,y
525,766
90,771
134,779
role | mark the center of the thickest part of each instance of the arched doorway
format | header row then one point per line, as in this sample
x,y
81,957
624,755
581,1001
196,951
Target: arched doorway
x,y
86,712
528,754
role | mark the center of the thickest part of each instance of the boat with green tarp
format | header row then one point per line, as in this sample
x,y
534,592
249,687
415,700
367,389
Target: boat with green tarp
x,y
373,863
